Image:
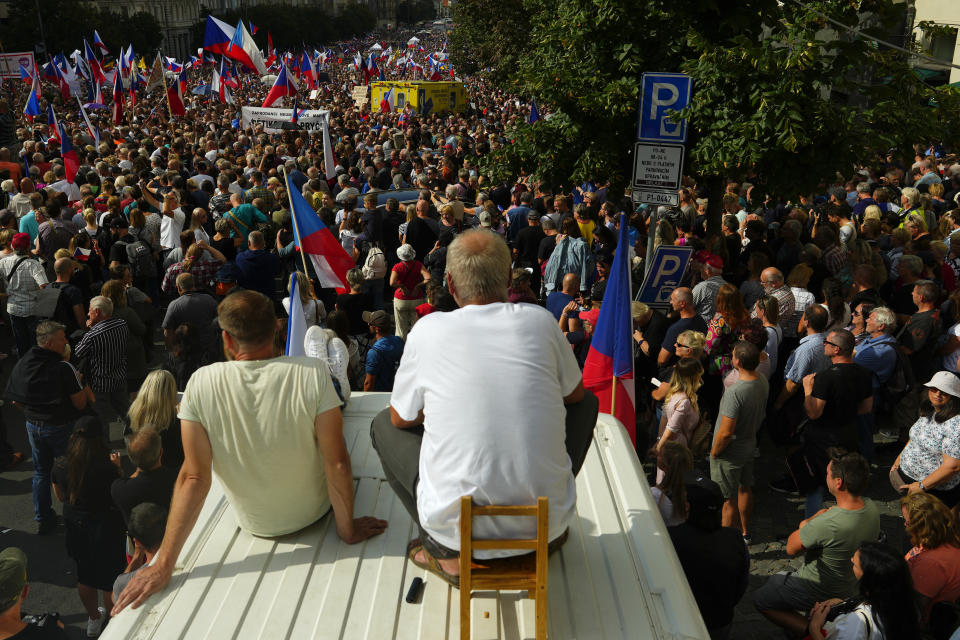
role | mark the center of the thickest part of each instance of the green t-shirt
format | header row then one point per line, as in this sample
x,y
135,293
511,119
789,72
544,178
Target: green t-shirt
x,y
746,402
829,542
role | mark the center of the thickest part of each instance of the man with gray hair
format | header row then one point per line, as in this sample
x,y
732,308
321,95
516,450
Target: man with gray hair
x,y
864,199
878,353
103,352
523,381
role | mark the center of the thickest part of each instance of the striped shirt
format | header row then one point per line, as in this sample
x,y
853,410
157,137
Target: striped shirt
x,y
104,348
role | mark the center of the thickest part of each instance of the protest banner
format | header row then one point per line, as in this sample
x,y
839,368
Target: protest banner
x,y
275,120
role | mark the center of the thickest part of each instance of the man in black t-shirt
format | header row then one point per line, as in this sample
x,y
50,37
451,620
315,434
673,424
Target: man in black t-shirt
x,y
834,399
13,591
681,300
714,559
527,246
70,309
50,392
151,482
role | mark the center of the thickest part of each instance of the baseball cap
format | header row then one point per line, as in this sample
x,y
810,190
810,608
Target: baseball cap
x,y
590,316
20,241
714,261
486,220
377,318
13,576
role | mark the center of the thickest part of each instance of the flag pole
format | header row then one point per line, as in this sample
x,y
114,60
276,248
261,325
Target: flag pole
x,y
296,228
163,77
613,396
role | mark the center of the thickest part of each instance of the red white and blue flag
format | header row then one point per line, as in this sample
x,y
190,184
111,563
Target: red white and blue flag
x,y
96,72
32,107
71,161
297,111
52,124
243,49
94,132
285,85
97,40
609,363
313,238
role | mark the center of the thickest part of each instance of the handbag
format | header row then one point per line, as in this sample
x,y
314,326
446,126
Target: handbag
x,y
46,303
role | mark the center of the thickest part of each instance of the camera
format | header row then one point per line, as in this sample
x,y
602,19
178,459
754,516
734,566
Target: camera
x,y
44,620
842,608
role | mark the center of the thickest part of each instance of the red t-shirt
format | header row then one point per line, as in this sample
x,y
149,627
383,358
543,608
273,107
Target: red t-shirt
x,y
425,309
408,277
936,574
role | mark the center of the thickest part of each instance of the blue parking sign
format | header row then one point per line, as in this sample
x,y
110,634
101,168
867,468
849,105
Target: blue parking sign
x,y
660,93
666,270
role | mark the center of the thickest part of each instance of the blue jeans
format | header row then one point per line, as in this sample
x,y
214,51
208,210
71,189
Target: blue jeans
x,y
46,444
814,501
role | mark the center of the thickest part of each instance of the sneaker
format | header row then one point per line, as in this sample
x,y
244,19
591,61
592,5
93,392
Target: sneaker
x,y
886,437
94,627
48,525
747,539
784,485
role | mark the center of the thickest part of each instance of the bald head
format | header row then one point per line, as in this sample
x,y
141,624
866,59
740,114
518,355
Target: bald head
x,y
26,185
771,278
571,284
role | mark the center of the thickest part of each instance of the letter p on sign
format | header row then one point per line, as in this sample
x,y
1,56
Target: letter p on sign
x,y
667,273
659,93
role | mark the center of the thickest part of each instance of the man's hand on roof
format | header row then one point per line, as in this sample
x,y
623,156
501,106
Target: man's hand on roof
x,y
363,528
144,583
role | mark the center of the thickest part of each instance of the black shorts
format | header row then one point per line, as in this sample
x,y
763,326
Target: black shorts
x,y
95,541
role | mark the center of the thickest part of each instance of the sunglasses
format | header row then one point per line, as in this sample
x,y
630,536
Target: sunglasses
x,y
680,344
832,344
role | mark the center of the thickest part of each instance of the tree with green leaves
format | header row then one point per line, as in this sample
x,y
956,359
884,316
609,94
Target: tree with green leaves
x,y
65,24
781,97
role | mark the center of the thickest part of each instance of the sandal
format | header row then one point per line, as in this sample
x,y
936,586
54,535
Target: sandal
x,y
432,566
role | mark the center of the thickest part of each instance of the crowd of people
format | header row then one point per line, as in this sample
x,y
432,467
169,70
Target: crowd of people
x,y
827,323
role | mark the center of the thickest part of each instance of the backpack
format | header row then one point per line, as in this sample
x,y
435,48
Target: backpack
x,y
702,438
900,382
375,266
141,261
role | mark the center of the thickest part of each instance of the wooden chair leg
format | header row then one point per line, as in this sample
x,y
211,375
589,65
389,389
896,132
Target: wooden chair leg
x,y
542,535
466,552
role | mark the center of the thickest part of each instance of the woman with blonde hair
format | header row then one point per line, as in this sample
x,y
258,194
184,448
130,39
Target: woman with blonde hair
x,y
156,406
681,413
204,271
314,313
872,212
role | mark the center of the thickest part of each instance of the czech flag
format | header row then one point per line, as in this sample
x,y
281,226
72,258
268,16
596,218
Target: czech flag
x,y
117,99
285,85
175,96
25,74
52,124
96,72
71,162
297,111
99,42
313,238
243,49
386,103
296,324
610,358
217,35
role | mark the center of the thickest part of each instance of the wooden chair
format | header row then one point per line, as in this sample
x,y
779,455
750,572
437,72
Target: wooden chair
x,y
527,572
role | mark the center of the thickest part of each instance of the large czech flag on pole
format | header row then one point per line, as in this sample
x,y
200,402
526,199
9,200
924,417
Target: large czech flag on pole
x,y
314,239
285,85
608,370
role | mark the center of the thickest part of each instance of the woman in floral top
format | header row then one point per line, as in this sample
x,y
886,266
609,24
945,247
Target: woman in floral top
x,y
930,461
723,331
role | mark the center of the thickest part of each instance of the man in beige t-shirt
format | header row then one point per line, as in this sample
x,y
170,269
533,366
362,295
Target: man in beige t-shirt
x,y
272,431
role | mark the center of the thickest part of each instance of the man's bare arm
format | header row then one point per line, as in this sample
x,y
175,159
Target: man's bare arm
x,y
400,423
328,427
189,493
576,395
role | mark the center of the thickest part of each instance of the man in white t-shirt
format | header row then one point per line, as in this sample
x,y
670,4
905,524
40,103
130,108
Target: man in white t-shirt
x,y
281,459
172,222
481,416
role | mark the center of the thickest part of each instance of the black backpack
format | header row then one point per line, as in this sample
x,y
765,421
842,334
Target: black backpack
x,y
900,382
141,260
